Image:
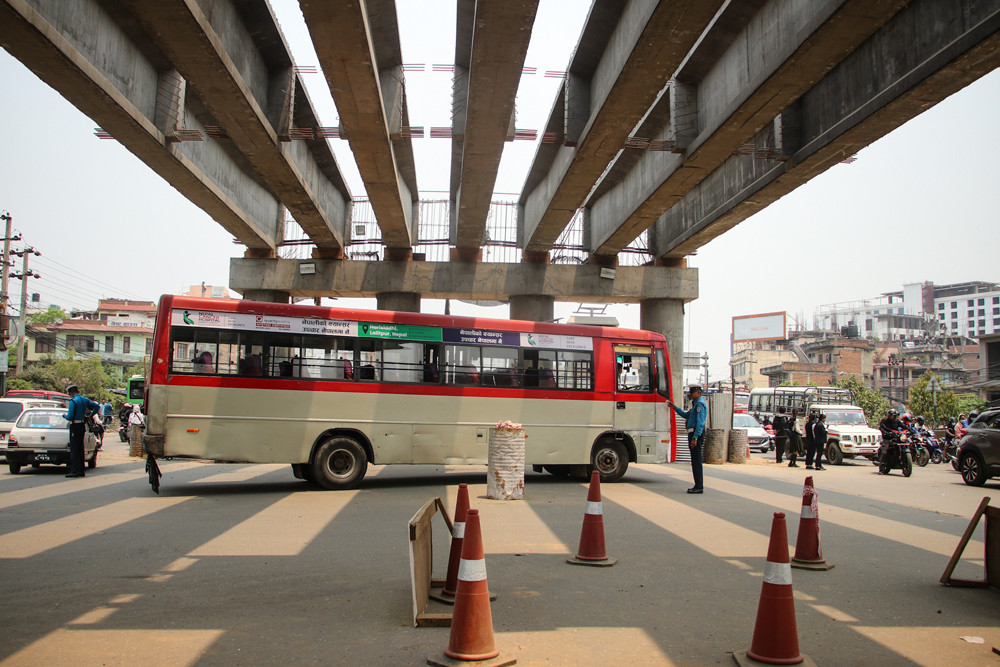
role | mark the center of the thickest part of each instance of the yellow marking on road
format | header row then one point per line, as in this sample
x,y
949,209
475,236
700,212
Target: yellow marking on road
x,y
147,647
93,480
508,525
586,646
93,616
905,533
180,564
128,598
740,564
284,528
34,540
719,537
242,475
834,613
158,578
937,645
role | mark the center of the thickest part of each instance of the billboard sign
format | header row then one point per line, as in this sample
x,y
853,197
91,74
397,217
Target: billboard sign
x,y
766,326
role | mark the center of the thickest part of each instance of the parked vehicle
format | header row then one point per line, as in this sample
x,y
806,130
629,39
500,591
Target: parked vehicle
x,y
41,435
757,437
898,454
979,449
11,409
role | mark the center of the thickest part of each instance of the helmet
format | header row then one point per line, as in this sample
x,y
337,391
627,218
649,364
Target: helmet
x,y
972,416
906,417
920,420
893,413
952,421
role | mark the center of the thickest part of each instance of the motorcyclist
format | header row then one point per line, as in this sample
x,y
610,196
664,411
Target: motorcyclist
x,y
949,431
973,416
889,427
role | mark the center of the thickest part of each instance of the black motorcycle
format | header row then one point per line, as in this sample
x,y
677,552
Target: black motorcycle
x,y
921,452
896,453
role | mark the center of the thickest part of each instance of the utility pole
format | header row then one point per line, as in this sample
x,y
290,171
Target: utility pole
x,y
25,273
4,326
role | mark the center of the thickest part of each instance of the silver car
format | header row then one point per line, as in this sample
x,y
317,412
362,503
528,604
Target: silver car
x,y
757,437
41,435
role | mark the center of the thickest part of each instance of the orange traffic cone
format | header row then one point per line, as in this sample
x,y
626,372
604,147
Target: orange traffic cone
x,y
808,552
591,551
472,623
457,538
775,637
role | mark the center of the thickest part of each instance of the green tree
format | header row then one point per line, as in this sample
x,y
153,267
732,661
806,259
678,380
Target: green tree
x,y
872,402
921,401
18,383
48,316
969,402
88,373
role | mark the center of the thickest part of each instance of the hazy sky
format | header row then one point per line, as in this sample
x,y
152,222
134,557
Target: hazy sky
x,y
917,205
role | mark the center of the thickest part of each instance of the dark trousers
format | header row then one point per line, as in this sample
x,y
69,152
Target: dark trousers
x,y
817,447
696,454
76,432
779,447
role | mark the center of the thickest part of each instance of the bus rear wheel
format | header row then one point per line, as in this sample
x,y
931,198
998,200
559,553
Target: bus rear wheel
x,y
340,463
610,460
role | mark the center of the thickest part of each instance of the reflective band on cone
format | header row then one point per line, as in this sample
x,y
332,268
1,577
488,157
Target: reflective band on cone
x,y
457,537
472,570
594,508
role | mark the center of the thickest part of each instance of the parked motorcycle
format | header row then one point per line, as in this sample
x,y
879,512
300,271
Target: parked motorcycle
x,y
896,453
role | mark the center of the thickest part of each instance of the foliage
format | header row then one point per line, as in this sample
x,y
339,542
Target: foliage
x,y
921,401
55,373
48,316
18,383
872,402
969,402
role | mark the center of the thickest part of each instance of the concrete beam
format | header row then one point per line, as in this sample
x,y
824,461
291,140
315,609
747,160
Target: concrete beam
x,y
112,75
349,53
238,77
745,71
616,75
485,87
462,280
924,60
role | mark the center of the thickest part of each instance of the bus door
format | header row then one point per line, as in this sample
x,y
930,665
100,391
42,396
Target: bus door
x,y
635,400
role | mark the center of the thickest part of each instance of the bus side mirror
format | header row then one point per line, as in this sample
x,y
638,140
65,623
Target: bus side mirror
x,y
663,392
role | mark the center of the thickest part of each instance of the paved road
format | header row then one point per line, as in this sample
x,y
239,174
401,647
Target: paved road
x,y
245,565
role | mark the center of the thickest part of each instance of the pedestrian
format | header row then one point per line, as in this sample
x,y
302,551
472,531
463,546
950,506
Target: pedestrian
x,y
76,414
819,440
107,411
795,445
135,424
695,424
810,442
780,426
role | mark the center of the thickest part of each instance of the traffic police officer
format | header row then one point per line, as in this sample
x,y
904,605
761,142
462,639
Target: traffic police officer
x,y
695,424
78,407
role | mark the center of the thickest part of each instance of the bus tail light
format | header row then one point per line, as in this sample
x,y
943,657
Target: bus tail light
x,y
193,430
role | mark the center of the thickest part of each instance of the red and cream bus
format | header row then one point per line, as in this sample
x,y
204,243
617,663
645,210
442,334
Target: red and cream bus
x,y
331,390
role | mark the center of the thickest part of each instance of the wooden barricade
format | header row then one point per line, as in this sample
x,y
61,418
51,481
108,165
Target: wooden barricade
x,y
422,564
992,541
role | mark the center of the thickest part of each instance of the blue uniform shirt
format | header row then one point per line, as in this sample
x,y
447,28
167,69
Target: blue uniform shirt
x,y
695,417
78,407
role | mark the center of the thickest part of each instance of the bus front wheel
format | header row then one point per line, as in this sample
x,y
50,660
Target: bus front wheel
x,y
610,460
340,463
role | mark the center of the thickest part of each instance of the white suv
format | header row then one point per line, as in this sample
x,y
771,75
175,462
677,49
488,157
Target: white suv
x,y
848,433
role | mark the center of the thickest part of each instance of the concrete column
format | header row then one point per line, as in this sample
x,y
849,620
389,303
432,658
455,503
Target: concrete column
x,y
408,302
666,316
269,295
532,307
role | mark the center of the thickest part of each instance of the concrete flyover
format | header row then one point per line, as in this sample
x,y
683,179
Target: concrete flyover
x,y
203,100
357,42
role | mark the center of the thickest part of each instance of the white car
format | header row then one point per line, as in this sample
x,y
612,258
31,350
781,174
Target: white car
x,y
41,435
11,409
758,439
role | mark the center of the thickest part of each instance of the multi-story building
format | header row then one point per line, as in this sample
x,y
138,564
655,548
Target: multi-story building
x,y
920,310
822,359
749,361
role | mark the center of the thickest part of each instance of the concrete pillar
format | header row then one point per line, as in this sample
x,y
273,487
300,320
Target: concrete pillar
x,y
666,316
532,307
408,302
269,295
